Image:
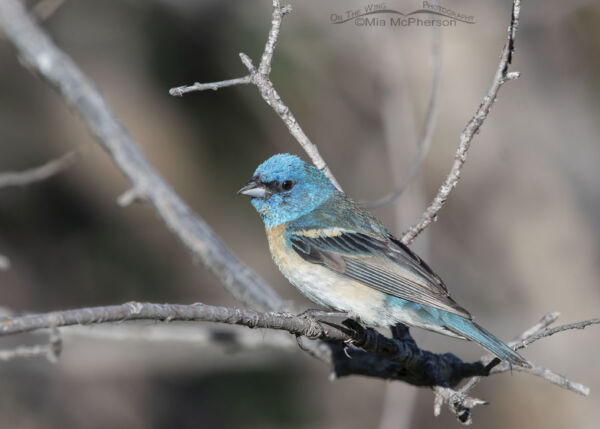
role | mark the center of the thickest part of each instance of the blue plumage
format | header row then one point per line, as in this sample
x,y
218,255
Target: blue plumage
x,y
340,256
310,189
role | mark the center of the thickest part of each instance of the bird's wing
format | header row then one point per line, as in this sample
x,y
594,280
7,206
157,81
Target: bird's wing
x,y
382,263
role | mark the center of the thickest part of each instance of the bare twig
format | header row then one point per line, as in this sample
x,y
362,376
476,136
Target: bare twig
x,y
179,91
546,320
170,312
129,196
51,350
543,323
537,332
460,403
396,359
548,375
260,77
375,355
552,331
38,174
470,130
43,56
26,352
428,125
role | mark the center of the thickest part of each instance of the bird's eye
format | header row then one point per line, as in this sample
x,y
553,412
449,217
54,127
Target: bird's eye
x,y
287,185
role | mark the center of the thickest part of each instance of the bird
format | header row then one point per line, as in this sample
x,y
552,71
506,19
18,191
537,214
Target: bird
x,y
340,256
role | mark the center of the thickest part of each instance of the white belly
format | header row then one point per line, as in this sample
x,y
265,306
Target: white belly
x,y
330,289
326,287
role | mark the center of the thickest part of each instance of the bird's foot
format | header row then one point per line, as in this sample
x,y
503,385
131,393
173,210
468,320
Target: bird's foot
x,y
316,329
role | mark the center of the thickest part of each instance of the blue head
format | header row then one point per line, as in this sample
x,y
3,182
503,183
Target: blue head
x,y
284,188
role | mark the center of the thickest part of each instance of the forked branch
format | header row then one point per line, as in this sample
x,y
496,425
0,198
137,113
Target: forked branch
x,y
502,75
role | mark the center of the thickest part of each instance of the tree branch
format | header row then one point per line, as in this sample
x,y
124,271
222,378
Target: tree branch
x,y
43,57
260,77
180,90
399,358
470,130
51,350
371,354
548,332
537,332
38,174
460,404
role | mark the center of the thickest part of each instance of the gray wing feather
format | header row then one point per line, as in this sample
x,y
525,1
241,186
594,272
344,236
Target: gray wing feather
x,y
388,266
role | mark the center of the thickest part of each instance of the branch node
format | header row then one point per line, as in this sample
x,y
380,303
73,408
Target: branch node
x,y
132,194
38,174
177,92
459,404
55,345
513,75
135,307
247,61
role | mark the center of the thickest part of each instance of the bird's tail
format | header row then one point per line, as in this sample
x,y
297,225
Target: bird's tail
x,y
471,330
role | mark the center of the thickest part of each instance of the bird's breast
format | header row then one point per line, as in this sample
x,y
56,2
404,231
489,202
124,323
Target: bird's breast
x,y
323,286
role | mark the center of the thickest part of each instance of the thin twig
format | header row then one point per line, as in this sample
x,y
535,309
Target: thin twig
x,y
26,352
546,320
179,91
548,375
551,331
535,333
543,323
458,403
399,358
260,77
428,126
470,130
38,174
51,350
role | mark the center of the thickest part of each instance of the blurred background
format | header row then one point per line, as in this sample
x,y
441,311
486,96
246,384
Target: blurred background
x,y
518,238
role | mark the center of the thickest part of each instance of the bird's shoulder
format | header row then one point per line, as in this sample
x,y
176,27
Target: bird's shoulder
x,y
336,216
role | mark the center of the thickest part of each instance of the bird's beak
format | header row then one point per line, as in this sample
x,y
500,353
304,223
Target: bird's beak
x,y
254,188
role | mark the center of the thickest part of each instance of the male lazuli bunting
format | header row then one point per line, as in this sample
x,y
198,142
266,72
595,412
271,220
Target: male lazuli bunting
x,y
340,256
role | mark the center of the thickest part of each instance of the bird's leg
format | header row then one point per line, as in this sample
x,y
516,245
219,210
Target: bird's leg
x,y
399,331
494,362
